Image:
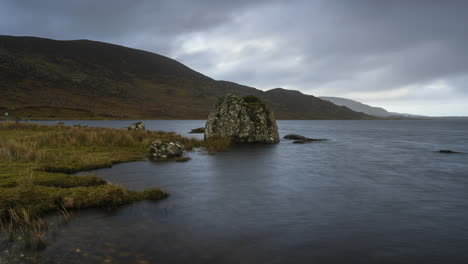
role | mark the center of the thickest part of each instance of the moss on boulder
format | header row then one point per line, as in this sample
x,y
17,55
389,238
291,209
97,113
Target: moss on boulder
x,y
242,119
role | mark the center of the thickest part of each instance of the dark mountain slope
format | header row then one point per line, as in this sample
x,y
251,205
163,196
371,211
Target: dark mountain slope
x,y
43,78
91,53
290,101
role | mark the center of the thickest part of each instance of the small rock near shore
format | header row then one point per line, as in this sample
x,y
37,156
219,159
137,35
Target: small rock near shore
x,y
199,130
137,126
160,150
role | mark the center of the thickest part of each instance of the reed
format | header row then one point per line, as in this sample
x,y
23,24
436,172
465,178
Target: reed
x,y
216,144
36,162
66,214
27,227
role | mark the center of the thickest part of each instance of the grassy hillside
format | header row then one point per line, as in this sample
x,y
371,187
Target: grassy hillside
x,y
43,78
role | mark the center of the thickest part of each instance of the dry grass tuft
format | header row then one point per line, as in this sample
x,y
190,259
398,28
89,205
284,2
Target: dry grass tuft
x,y
29,228
216,144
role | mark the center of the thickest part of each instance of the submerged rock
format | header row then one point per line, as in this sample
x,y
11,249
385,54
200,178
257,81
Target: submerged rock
x,y
294,137
160,150
243,119
199,130
301,139
299,142
448,151
308,140
137,126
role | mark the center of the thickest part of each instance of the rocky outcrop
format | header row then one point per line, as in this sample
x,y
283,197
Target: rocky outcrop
x,y
242,119
137,126
160,150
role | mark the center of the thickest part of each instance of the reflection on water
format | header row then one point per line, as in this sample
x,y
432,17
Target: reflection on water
x,y
377,192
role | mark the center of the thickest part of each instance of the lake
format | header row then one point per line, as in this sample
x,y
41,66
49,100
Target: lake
x,y
376,192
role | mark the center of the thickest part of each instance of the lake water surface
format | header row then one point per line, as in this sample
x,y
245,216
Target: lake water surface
x,y
376,192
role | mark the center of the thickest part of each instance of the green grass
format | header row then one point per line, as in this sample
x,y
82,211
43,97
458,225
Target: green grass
x,y
255,102
250,99
36,162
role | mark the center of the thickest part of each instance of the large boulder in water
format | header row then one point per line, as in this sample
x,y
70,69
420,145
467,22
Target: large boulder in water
x,y
243,119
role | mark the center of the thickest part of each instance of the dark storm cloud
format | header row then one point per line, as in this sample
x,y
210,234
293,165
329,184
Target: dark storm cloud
x,y
123,21
393,53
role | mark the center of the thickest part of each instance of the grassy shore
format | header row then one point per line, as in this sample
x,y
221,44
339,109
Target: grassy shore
x,y
36,162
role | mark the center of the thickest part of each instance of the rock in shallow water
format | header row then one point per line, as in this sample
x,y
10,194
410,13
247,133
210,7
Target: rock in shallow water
x,y
299,142
301,139
160,150
448,151
294,137
199,130
243,119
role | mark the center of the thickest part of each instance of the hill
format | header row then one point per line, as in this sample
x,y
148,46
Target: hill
x,y
44,78
380,112
359,107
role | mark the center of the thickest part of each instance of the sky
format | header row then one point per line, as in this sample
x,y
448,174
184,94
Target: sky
x,y
405,56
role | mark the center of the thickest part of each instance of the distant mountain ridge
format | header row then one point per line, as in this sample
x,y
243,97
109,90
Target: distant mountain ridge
x,y
358,106
44,78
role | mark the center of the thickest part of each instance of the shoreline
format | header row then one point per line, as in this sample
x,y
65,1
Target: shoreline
x,y
37,163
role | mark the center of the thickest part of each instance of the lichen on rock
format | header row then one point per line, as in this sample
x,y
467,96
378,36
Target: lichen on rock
x,y
160,150
243,119
137,126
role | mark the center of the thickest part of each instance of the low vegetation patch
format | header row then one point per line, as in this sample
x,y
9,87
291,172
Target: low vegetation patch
x,y
215,144
36,162
253,100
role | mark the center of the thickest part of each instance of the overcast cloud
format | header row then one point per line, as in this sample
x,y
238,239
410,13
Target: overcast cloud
x,y
405,56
